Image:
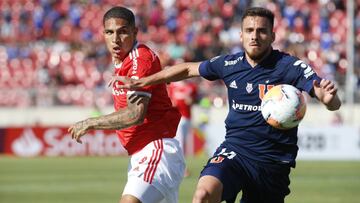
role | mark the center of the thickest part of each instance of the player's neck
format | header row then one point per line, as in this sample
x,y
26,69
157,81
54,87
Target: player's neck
x,y
254,62
117,61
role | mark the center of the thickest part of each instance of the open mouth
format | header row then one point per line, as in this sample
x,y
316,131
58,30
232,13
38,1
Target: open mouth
x,y
116,50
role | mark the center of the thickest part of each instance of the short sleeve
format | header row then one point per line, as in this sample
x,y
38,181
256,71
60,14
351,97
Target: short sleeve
x,y
302,75
212,69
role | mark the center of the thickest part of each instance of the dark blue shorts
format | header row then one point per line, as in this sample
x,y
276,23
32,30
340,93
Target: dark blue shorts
x,y
259,182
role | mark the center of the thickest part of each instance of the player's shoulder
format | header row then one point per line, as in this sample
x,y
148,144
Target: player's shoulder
x,y
284,57
143,50
228,59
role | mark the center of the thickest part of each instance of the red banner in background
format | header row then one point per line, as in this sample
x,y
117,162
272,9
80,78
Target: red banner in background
x,y
55,141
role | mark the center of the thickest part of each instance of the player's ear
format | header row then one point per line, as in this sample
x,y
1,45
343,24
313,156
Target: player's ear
x,y
136,30
241,37
273,35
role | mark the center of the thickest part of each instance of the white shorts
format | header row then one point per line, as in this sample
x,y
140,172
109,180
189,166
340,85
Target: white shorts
x,y
183,131
158,166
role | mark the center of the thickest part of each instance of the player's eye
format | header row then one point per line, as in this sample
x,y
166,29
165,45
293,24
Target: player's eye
x,y
108,32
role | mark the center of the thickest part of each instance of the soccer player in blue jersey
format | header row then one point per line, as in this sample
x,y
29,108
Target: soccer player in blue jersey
x,y
255,158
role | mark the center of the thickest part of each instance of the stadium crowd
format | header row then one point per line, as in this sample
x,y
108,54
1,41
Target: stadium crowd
x,y
52,52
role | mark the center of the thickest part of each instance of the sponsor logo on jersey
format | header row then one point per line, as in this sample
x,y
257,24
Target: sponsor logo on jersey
x,y
233,62
245,107
233,85
134,54
117,92
249,87
308,70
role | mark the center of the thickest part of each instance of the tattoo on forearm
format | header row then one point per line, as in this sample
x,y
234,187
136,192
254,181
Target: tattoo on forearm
x,y
121,119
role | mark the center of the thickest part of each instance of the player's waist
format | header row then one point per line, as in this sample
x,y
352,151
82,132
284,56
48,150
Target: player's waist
x,y
264,151
135,141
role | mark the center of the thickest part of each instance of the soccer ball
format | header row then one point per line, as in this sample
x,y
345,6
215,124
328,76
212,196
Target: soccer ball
x,y
283,106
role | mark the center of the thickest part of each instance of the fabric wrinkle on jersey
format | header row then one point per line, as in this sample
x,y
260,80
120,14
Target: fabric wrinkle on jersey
x,y
246,129
161,119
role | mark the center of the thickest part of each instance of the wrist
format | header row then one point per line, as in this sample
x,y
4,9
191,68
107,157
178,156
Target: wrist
x,y
89,123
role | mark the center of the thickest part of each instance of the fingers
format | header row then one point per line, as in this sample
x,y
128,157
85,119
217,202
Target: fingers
x,y
132,98
328,86
135,99
78,140
316,83
125,80
76,133
113,80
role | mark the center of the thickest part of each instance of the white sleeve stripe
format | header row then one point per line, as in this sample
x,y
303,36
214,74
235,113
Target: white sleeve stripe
x,y
140,93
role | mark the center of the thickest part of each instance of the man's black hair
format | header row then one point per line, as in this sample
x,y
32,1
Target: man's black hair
x,y
259,11
120,12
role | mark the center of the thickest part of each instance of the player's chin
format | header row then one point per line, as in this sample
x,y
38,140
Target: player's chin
x,y
117,56
256,54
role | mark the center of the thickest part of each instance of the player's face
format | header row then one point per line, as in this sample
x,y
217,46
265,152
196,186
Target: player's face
x,y
119,37
256,36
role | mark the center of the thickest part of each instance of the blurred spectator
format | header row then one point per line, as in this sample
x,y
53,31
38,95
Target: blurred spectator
x,y
183,95
52,53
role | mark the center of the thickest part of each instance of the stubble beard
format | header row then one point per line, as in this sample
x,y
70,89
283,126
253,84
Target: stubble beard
x,y
256,55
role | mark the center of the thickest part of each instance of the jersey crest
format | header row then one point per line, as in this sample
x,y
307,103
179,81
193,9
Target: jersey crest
x,y
249,87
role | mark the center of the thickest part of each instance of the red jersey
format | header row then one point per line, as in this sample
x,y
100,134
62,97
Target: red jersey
x,y
161,119
183,94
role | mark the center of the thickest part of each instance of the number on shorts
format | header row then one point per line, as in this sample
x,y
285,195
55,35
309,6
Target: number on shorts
x,y
222,155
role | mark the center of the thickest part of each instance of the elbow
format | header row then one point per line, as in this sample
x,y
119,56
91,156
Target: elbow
x,y
137,118
139,121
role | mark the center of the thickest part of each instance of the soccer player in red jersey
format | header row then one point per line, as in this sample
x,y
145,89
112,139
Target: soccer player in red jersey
x,y
183,95
145,120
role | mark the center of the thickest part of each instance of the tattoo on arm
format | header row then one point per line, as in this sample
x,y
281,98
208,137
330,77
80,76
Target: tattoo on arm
x,y
133,114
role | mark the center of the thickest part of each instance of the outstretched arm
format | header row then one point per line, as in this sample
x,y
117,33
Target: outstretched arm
x,y
326,93
132,115
174,73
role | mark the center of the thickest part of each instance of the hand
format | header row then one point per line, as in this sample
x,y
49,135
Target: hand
x,y
325,91
78,130
128,83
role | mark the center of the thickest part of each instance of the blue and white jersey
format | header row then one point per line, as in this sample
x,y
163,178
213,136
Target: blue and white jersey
x,y
246,129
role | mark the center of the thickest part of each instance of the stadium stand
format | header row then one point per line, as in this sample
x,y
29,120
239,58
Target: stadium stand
x,y
52,52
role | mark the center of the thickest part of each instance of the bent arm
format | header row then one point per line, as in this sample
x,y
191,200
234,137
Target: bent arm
x,y
133,114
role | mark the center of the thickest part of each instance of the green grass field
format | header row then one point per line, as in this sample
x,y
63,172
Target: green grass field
x,y
101,179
